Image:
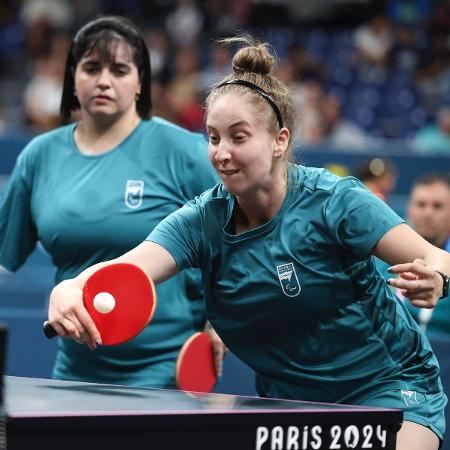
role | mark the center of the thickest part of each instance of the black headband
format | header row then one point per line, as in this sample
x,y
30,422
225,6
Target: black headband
x,y
262,93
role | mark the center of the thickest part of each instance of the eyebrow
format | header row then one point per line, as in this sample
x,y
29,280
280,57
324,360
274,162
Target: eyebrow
x,y
233,125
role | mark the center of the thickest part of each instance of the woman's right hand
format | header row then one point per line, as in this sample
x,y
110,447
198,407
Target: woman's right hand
x,y
68,316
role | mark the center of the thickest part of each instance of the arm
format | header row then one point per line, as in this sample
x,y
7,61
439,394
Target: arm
x,y
416,262
67,313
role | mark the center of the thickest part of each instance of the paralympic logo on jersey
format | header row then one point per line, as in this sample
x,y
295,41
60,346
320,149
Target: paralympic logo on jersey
x,y
134,193
288,279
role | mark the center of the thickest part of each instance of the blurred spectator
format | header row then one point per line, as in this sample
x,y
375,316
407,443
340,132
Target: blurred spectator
x,y
184,23
41,17
342,133
429,214
182,90
42,97
435,138
159,45
308,97
433,71
59,13
373,41
404,54
311,128
379,175
304,67
217,67
429,209
161,106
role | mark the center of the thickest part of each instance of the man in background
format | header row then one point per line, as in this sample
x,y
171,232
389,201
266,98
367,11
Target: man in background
x,y
428,213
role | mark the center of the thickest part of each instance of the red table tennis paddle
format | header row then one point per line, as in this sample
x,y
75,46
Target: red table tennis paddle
x,y
195,370
120,299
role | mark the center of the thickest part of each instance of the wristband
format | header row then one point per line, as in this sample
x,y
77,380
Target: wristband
x,y
446,280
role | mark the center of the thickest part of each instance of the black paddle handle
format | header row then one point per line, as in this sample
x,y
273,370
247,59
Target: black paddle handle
x,y
49,331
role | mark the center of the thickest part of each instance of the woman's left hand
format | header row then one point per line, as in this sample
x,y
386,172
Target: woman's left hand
x,y
417,281
219,349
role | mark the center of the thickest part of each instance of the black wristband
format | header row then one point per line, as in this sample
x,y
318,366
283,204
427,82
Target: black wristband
x,y
446,280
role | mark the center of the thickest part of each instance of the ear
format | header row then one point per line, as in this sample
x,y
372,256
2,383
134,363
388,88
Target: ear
x,y
281,143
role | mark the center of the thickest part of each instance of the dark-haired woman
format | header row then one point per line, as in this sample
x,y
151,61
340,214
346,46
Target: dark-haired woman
x,y
91,190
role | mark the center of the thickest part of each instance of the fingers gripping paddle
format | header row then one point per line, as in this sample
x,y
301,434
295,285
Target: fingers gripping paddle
x,y
120,299
195,369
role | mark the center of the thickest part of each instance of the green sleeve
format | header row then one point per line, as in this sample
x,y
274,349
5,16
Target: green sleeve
x,y
356,218
180,234
18,235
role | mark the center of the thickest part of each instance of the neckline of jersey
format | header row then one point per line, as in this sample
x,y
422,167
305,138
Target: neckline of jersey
x,y
105,153
294,173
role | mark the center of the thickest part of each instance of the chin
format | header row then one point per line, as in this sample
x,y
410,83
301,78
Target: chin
x,y
232,188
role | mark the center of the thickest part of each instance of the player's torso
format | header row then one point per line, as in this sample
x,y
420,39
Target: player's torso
x,y
297,307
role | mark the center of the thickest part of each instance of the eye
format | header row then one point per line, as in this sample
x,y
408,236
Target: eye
x,y
120,70
239,138
214,140
90,68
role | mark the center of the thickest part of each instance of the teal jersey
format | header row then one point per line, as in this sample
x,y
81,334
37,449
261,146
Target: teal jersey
x,y
90,208
299,298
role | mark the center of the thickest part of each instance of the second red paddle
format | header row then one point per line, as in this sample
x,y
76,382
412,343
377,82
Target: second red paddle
x,y
195,370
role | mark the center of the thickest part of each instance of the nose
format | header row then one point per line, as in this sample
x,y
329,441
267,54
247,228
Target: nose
x,y
223,153
103,80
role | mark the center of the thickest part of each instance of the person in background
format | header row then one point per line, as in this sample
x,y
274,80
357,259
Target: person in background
x,y
285,253
93,189
435,138
379,175
342,133
428,213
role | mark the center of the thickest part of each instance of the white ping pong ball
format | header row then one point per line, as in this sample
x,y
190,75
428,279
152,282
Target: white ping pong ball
x,y
104,302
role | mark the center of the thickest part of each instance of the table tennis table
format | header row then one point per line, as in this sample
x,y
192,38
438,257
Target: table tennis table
x,y
48,414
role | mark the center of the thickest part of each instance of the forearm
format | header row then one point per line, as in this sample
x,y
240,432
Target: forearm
x,y
438,259
151,258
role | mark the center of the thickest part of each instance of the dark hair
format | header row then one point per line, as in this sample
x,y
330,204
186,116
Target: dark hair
x,y
98,34
431,178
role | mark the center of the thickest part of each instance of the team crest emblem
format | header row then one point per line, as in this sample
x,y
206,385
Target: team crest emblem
x,y
134,193
288,279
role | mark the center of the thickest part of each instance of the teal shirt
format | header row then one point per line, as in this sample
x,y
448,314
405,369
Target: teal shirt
x,y
85,209
299,298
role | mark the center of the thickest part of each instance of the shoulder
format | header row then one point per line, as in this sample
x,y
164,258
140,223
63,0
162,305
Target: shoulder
x,y
43,144
163,130
322,180
187,148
